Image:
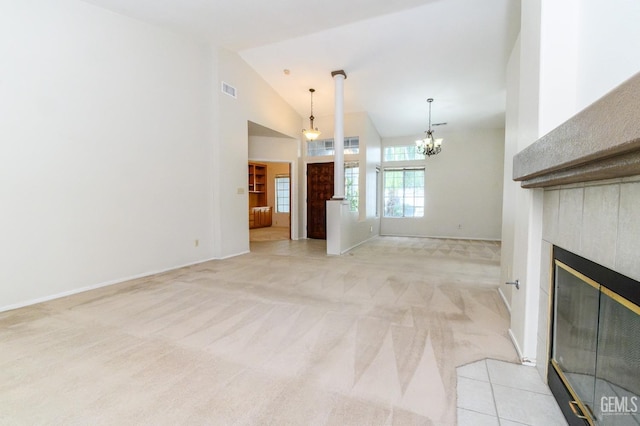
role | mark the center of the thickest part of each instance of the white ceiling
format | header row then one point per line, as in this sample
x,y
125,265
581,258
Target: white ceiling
x,y
396,53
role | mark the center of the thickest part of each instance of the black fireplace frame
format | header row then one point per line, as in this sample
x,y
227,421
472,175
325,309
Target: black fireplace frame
x,y
616,283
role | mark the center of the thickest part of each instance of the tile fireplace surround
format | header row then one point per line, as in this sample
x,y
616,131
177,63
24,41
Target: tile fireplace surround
x,y
589,170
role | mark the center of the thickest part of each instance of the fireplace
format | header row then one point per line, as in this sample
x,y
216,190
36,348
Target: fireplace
x,y
594,362
585,198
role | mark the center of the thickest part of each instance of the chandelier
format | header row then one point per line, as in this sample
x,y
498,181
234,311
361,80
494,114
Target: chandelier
x,y
429,146
312,133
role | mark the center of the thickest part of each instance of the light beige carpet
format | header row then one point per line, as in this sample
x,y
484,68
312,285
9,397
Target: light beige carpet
x,y
270,233
282,336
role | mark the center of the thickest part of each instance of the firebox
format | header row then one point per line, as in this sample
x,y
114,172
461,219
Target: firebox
x,y
594,370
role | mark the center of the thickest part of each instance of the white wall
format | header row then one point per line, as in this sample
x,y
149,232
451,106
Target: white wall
x,y
104,149
117,149
256,102
359,228
527,227
510,188
373,147
558,62
463,191
608,45
588,47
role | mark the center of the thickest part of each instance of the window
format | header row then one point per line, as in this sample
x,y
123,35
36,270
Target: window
x,y
404,192
352,145
402,153
351,176
282,194
322,147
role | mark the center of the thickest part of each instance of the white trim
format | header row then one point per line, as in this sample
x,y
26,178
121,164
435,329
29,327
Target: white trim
x,y
515,344
458,237
358,244
504,299
523,360
229,256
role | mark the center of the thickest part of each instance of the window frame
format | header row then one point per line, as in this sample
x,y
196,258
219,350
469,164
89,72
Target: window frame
x,y
354,202
417,156
351,147
277,193
404,188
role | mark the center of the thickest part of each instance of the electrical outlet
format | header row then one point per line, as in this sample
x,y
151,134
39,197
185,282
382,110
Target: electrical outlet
x,y
197,243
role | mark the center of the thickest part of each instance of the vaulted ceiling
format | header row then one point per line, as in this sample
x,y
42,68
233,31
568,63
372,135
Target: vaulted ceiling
x,y
396,54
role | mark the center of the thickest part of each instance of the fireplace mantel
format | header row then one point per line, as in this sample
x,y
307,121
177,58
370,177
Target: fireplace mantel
x,y
600,142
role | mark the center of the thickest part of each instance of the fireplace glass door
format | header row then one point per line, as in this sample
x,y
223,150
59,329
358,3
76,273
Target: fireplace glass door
x,y
575,337
595,350
618,361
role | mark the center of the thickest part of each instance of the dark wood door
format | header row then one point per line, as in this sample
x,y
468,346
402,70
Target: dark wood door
x,y
319,190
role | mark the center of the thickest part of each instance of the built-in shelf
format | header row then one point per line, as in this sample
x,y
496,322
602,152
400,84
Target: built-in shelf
x,y
257,185
259,212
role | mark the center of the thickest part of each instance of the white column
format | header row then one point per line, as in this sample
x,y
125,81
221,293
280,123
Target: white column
x,y
527,218
338,135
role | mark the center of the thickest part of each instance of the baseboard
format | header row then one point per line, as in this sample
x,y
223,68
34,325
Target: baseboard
x,y
521,357
100,285
504,300
227,257
515,344
442,237
358,244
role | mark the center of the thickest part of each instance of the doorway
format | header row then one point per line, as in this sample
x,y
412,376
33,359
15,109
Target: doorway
x,y
319,190
271,219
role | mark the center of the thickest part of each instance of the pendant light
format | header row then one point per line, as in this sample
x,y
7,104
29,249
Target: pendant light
x,y
429,146
312,133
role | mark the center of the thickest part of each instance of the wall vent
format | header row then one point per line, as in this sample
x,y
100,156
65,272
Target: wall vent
x,y
229,90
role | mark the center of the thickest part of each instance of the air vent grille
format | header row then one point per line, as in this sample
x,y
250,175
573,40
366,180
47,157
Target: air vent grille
x,y
229,90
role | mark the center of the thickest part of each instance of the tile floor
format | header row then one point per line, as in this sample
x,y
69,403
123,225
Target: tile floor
x,y
499,393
